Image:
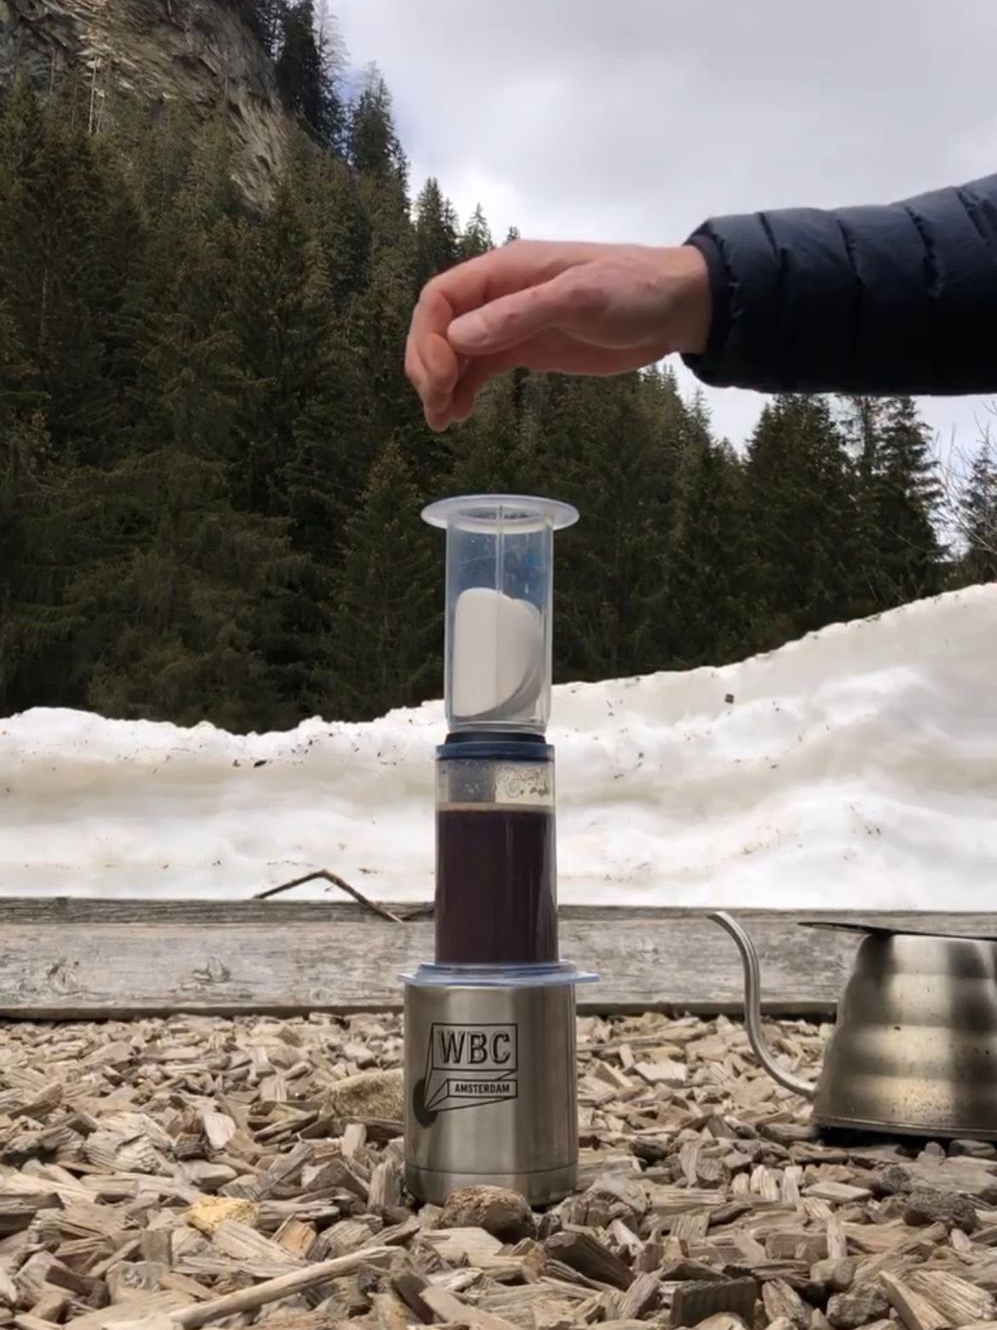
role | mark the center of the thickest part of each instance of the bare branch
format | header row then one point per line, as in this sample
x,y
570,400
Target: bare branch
x,y
323,874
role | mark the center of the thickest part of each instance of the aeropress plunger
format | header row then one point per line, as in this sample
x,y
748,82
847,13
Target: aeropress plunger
x,y
490,1025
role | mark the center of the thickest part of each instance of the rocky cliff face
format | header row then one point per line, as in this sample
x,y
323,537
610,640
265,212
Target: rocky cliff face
x,y
195,52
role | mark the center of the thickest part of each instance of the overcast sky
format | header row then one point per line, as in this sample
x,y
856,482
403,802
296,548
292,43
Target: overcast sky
x,y
633,120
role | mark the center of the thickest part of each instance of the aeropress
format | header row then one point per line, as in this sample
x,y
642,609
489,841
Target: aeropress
x,y
490,1024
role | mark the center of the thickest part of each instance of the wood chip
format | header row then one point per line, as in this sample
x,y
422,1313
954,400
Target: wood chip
x,y
19,1209
586,1254
954,1297
695,1301
169,1165
916,1312
662,1073
385,1186
643,1296
840,1193
449,1307
457,1246
782,1301
208,1212
219,1128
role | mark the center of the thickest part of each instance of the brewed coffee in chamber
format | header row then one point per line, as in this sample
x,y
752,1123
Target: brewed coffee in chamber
x,y
495,885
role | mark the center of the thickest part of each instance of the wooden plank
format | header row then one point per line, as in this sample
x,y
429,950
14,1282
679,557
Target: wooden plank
x,y
135,909
63,959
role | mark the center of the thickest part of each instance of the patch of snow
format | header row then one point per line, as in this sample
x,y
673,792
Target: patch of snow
x,y
856,768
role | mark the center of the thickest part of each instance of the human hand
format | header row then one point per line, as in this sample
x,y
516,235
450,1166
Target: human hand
x,y
547,306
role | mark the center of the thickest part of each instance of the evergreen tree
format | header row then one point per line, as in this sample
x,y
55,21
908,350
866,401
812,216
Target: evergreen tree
x,y
36,625
709,595
697,427
375,153
269,22
978,511
181,617
490,453
598,445
333,61
284,324
477,238
436,241
151,148
906,493
862,420
804,515
301,455
67,234
308,73
341,222
676,420
387,628
372,142
182,588
378,324
178,311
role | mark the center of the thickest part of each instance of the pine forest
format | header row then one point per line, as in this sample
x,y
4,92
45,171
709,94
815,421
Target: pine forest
x,y
212,466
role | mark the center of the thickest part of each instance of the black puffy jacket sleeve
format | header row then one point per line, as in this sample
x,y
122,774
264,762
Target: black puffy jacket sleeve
x,y
894,299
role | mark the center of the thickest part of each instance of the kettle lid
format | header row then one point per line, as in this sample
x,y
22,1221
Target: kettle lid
x,y
879,928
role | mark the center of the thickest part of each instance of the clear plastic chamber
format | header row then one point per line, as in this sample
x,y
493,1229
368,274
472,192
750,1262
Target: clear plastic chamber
x,y
499,588
496,863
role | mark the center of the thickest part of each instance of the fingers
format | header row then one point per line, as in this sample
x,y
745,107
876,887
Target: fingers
x,y
514,319
506,269
541,354
515,288
431,367
476,374
548,351
431,364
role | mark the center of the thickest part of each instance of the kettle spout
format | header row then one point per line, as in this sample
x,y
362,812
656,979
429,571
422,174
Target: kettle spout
x,y
753,1009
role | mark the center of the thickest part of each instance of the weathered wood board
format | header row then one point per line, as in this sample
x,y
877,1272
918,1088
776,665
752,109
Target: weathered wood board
x,y
66,958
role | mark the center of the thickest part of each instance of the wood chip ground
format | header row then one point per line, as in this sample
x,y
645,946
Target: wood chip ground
x,y
199,1171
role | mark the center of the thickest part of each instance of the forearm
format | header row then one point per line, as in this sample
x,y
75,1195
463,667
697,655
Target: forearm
x,y
894,299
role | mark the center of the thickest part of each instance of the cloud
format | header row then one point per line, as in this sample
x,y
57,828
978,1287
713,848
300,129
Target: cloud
x,y
635,119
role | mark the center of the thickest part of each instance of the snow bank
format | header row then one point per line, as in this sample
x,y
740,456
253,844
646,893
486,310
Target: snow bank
x,y
855,768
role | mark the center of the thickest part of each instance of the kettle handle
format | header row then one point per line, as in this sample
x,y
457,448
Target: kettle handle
x,y
753,1009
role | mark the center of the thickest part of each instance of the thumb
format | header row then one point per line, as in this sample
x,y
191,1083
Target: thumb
x,y
505,322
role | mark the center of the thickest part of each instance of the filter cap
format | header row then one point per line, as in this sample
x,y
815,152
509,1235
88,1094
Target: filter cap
x,y
516,512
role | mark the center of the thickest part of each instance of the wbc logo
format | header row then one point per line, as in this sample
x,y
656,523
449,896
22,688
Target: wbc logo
x,y
466,1066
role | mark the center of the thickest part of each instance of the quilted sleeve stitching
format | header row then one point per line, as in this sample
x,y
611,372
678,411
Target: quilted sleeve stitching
x,y
932,273
856,314
782,269
972,208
